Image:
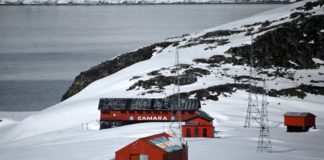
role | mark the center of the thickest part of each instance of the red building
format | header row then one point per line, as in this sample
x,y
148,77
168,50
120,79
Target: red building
x,y
155,147
299,121
121,111
199,125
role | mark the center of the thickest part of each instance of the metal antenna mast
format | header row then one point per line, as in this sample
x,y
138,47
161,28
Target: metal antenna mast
x,y
175,125
253,111
264,142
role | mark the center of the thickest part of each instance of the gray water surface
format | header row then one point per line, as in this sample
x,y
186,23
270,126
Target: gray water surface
x,y
42,48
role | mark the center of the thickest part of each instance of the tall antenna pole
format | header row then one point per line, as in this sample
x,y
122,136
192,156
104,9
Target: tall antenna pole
x,y
175,125
264,142
253,111
178,93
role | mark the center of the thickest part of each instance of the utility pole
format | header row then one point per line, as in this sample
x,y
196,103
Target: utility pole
x,y
253,111
264,142
175,125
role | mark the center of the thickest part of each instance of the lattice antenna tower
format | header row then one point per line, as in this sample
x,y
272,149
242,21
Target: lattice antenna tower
x,y
175,125
253,111
264,142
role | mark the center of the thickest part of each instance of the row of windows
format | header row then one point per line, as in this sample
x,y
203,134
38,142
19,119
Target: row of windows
x,y
133,103
147,103
195,132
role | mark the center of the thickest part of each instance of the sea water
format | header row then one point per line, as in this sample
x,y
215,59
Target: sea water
x,y
42,48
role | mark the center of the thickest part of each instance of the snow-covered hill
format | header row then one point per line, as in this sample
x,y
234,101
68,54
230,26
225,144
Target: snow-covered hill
x,y
215,62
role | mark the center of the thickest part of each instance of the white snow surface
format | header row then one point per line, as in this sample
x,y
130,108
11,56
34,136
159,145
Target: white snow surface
x,y
233,140
69,130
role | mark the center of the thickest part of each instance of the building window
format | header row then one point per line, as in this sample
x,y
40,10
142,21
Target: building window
x,y
134,157
204,132
188,132
158,104
138,157
143,157
145,103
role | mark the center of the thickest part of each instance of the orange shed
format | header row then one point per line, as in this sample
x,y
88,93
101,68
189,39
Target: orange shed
x,y
199,125
155,147
299,121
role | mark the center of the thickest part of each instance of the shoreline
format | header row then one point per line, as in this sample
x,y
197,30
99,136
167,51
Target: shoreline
x,y
131,4
17,115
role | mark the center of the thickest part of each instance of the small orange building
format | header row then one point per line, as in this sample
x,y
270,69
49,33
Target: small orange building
x,y
299,121
155,147
199,125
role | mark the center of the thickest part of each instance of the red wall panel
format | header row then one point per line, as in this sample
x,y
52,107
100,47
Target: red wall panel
x,y
139,147
294,121
307,121
159,116
198,124
209,129
143,146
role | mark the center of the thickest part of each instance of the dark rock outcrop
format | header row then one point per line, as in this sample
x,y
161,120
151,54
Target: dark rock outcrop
x,y
111,66
310,5
220,33
189,76
226,89
291,45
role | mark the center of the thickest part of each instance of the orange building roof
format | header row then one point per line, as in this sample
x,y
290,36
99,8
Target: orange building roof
x,y
202,115
160,141
298,114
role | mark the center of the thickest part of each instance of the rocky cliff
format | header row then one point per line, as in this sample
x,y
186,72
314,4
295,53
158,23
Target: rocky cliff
x,y
111,66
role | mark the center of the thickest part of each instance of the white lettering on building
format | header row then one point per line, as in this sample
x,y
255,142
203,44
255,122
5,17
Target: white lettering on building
x,y
152,118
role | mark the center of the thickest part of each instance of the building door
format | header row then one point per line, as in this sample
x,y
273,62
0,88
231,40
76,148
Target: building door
x,y
196,132
188,132
204,132
134,157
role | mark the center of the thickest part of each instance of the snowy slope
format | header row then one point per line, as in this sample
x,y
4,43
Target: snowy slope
x,y
70,127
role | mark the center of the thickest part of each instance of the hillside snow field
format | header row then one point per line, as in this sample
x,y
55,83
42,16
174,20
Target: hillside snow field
x,y
69,130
